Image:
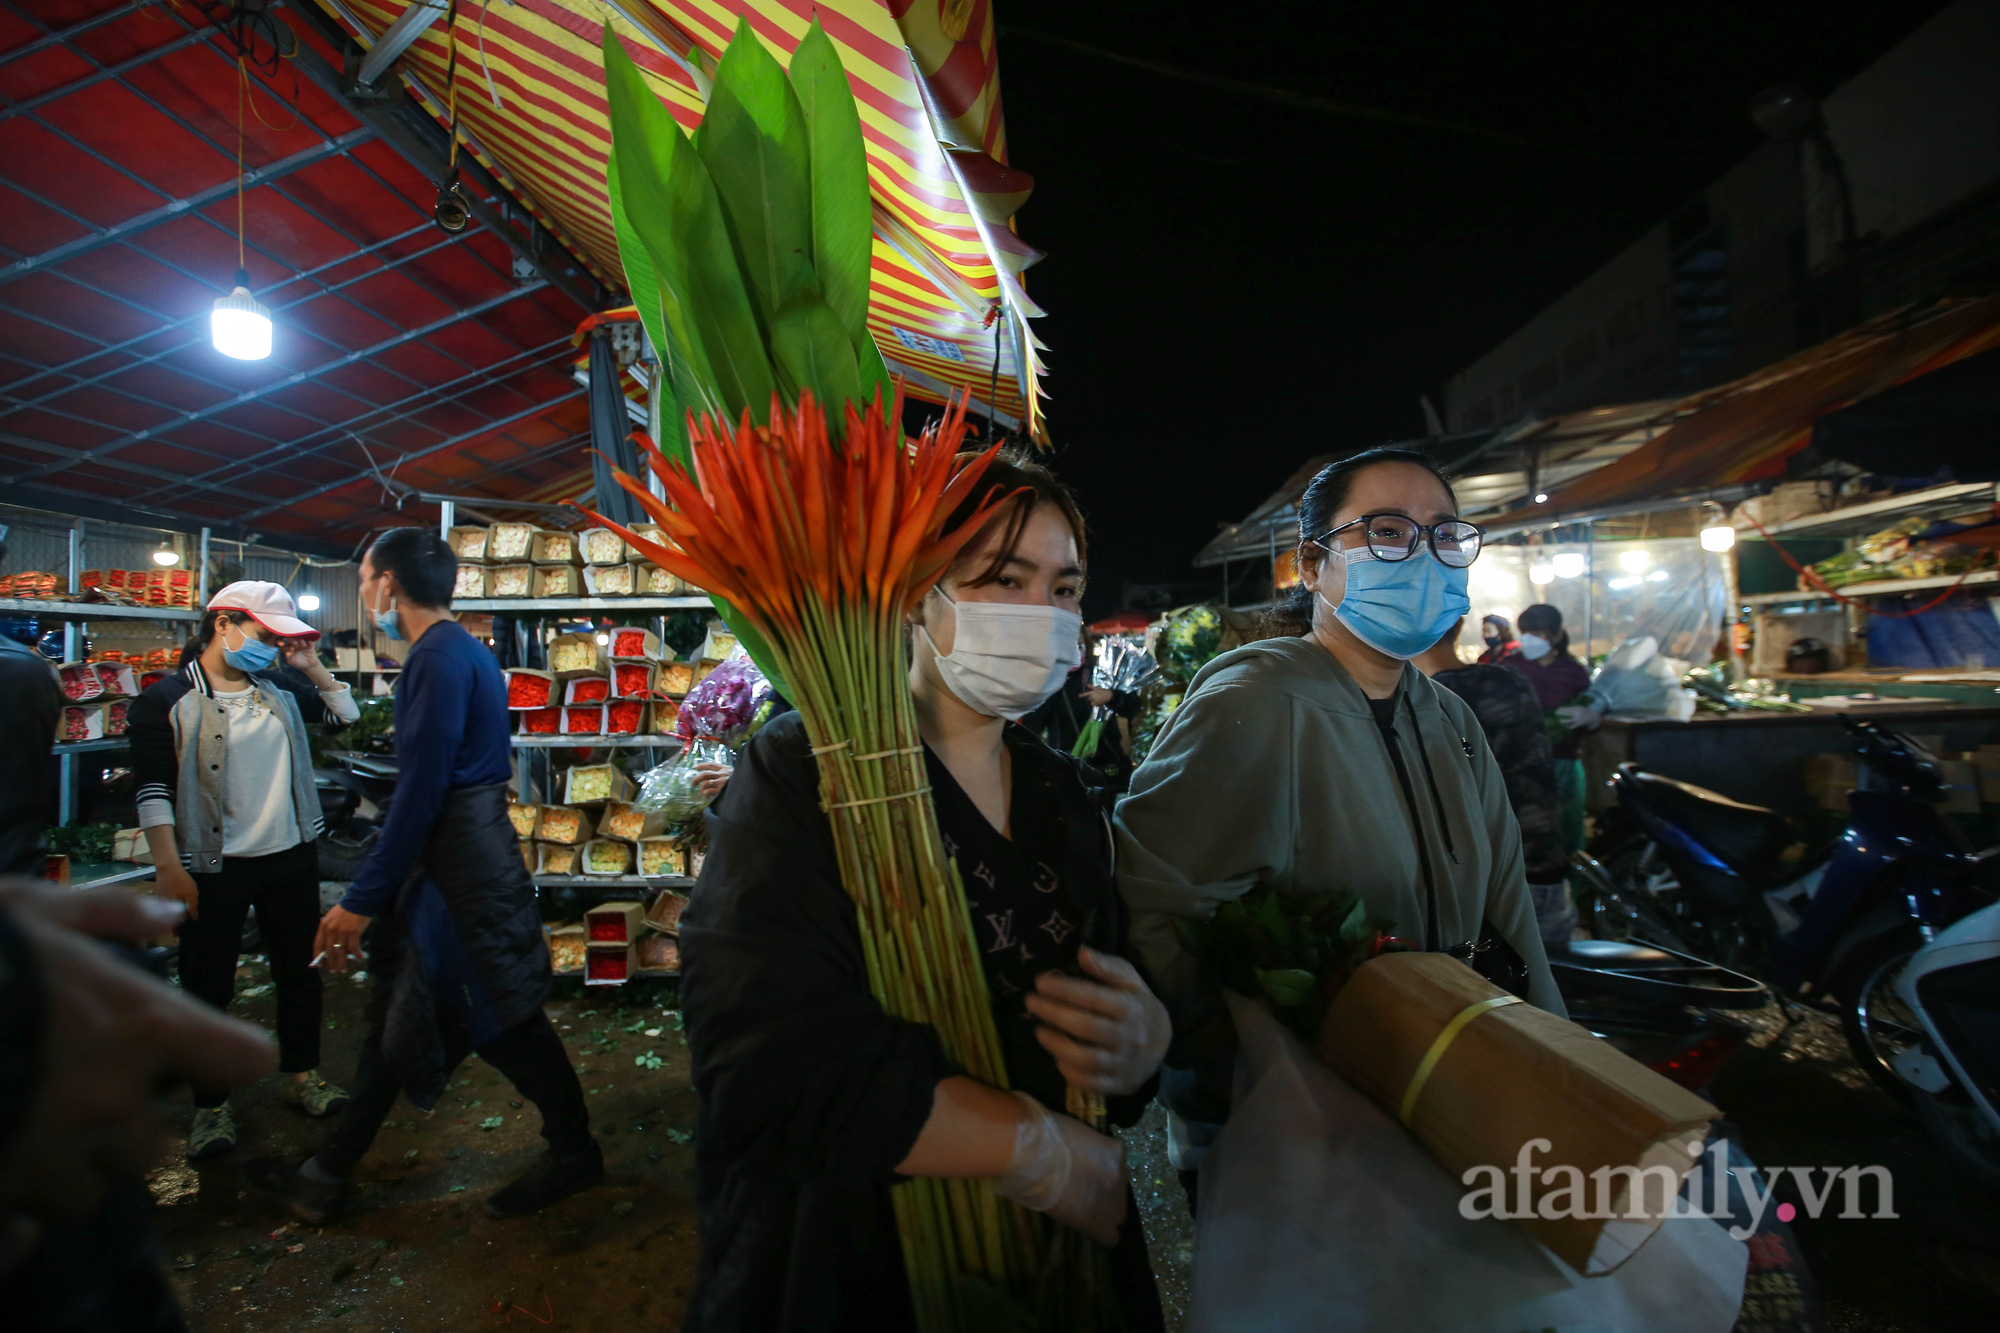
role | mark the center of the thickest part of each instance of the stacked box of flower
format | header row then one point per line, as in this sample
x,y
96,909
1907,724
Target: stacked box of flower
x,y
558,580
665,717
630,823
586,690
117,679
567,947
555,859
80,681
613,923
565,826
633,680
607,858
163,657
704,669
659,953
602,546
575,655
541,722
657,582
627,717
472,581
115,716
675,679
652,532
553,546
528,856
529,689
509,543
468,543
610,967
153,676
510,581
81,722
525,818
629,643
587,720
665,913
610,580
592,784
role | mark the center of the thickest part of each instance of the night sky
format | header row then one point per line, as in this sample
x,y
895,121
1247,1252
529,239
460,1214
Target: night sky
x,y
1236,284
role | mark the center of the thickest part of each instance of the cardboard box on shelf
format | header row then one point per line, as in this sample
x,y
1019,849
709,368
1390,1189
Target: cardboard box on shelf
x,y
659,953
566,826
613,923
586,689
609,580
472,581
631,643
558,581
609,965
354,659
602,546
528,688
664,717
627,717
525,817
554,858
587,720
508,542
468,543
592,784
573,655
676,678
665,913
511,581
633,680
607,858
541,722
567,945
553,546
657,582
651,532
79,681
81,722
629,823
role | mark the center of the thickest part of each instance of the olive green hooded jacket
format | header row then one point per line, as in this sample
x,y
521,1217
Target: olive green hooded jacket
x,y
1274,771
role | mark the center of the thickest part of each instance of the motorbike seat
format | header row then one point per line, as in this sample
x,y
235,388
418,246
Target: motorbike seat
x,y
1751,837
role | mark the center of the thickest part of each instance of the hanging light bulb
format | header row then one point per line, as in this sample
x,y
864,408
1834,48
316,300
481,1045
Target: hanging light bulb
x,y
166,555
1569,564
308,601
240,326
1718,538
1541,575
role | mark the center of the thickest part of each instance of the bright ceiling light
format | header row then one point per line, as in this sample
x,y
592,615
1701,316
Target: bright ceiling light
x,y
1541,497
166,555
308,601
1541,574
1569,565
1657,576
1721,537
604,640
1623,585
240,327
1635,562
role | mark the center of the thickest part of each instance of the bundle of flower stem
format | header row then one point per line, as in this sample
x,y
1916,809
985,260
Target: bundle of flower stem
x,y
826,548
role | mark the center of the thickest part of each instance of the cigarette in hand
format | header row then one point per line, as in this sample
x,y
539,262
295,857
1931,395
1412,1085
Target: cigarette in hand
x,y
317,959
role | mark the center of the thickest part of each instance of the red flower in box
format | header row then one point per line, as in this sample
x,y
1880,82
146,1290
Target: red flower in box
x,y
628,643
525,691
114,718
605,965
582,721
611,928
626,714
544,722
630,679
589,690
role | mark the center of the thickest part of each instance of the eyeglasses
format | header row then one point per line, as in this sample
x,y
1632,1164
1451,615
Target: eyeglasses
x,y
1394,537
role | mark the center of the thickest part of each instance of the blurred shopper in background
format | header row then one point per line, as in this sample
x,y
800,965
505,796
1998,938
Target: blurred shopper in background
x,y
1559,680
231,815
1498,636
31,701
1060,720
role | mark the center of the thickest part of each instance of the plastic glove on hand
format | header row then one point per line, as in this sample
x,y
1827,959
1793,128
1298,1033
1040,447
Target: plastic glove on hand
x,y
1109,1035
1577,717
1068,1170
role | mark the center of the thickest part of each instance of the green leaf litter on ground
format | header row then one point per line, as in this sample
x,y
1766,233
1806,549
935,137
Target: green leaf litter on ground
x,y
456,1189
493,1122
395,1281
679,1135
648,1060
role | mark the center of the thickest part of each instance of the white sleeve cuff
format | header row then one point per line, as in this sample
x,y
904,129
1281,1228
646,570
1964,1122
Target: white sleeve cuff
x,y
154,812
339,701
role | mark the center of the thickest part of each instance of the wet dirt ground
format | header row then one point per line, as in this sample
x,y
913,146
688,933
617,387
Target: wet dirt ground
x,y
418,1254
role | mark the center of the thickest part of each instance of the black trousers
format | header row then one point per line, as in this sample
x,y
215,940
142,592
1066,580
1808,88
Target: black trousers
x,y
284,888
529,1055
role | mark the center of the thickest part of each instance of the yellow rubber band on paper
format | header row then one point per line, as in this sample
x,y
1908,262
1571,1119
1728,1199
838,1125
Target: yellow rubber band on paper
x,y
1429,1063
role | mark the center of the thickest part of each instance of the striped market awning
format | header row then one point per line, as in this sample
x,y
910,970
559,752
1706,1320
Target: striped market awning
x,y
947,308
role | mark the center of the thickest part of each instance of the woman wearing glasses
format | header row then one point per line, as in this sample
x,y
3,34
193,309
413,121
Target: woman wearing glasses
x,y
1322,760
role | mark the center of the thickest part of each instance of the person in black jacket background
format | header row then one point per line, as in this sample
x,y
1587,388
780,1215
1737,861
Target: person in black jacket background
x,y
31,701
1060,720
230,813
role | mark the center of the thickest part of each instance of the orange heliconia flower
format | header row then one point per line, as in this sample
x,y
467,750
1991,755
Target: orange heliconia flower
x,y
773,515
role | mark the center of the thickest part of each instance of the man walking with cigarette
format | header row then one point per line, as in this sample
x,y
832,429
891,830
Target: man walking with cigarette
x,y
443,908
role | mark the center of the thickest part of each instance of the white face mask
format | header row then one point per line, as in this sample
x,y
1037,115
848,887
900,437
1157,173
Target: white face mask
x,y
1006,658
1534,647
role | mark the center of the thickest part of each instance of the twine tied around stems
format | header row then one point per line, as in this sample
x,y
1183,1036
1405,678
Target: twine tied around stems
x,y
877,800
879,754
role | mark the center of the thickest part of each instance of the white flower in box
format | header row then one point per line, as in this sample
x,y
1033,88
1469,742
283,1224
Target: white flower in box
x,y
676,678
607,856
567,947
509,541
468,543
628,823
524,819
657,582
661,858
528,856
587,784
555,859
553,546
609,580
602,546
557,581
471,581
566,825
511,581
572,655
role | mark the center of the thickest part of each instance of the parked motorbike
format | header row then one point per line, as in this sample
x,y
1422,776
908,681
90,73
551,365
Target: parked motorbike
x,y
1949,1029
1707,875
354,791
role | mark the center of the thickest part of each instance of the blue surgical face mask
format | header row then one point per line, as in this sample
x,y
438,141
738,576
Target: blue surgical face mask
x,y
254,655
386,621
1400,607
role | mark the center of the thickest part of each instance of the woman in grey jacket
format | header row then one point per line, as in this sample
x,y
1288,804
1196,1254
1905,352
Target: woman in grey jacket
x,y
227,802
1323,760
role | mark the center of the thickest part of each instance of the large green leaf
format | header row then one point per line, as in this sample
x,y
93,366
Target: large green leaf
x,y
753,141
812,351
843,228
875,375
645,143
717,300
670,430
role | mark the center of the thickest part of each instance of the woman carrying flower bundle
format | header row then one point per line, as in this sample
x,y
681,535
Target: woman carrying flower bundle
x,y
814,1101
1322,761
227,801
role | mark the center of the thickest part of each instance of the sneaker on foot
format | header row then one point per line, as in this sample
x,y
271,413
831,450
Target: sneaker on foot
x,y
214,1132
309,1200
548,1180
316,1096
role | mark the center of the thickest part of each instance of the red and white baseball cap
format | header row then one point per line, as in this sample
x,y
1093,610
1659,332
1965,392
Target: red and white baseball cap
x,y
266,603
